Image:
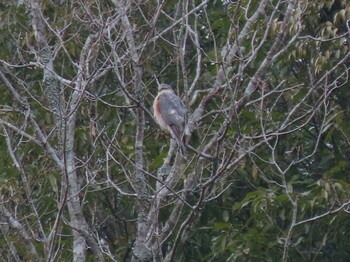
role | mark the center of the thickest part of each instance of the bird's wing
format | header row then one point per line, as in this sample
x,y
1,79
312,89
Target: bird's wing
x,y
172,109
173,112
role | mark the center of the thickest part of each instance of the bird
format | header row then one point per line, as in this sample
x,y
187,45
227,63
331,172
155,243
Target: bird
x,y
170,113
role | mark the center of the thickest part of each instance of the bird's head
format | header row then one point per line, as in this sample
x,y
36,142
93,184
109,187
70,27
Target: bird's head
x,y
163,87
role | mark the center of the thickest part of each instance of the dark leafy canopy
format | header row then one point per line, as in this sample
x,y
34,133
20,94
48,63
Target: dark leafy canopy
x,y
87,175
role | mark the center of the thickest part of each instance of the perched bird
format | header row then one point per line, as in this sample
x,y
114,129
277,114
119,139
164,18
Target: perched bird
x,y
170,113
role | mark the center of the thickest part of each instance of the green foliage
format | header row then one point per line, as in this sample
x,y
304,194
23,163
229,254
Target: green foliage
x,y
285,195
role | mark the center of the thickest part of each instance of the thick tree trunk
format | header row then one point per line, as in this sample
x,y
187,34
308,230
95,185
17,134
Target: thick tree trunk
x,y
65,121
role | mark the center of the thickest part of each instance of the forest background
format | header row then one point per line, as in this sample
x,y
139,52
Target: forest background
x,y
87,175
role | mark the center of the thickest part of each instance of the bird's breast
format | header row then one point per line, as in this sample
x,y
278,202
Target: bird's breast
x,y
158,115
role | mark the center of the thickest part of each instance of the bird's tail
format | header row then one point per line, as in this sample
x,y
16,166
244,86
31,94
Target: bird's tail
x,y
178,136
